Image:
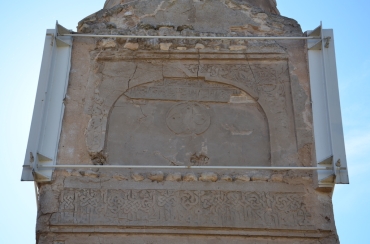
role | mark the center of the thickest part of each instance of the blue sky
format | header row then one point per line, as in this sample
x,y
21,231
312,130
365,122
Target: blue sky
x,y
22,37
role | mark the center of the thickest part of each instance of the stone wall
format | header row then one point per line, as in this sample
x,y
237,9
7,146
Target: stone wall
x,y
191,103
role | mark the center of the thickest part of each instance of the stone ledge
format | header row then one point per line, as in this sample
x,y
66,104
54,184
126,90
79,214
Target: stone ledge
x,y
159,176
277,233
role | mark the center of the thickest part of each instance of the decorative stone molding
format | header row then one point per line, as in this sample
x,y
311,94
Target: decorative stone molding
x,y
159,176
208,208
265,81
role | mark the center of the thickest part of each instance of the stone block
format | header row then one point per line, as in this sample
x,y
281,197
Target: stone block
x,y
137,177
91,173
259,177
119,177
165,46
108,43
277,178
227,178
157,176
174,177
190,177
199,46
208,177
243,178
237,47
131,46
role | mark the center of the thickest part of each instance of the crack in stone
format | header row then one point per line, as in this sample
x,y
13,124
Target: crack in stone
x,y
282,48
168,160
128,83
249,65
145,116
97,56
155,11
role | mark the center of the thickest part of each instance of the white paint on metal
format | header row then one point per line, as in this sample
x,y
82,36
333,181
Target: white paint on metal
x,y
198,37
41,154
327,119
48,109
178,167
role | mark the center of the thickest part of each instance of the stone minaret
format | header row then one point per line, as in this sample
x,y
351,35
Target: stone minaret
x,y
215,103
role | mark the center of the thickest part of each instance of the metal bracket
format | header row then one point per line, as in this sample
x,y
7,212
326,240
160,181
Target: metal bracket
x,y
316,46
327,120
60,31
48,112
327,41
338,167
327,177
61,43
318,34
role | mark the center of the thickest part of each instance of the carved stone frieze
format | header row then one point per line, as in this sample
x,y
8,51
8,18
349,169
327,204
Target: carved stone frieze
x,y
184,90
203,208
265,82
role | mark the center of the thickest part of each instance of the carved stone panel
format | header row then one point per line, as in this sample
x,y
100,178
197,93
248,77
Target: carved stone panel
x,y
188,119
203,208
166,113
178,121
185,90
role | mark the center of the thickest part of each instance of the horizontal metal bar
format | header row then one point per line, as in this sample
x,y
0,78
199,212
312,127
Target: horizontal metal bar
x,y
199,37
178,167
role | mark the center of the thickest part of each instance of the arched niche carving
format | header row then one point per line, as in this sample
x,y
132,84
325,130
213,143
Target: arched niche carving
x,y
182,121
267,82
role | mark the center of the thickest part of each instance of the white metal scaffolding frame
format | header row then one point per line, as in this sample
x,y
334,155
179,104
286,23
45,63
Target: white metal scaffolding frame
x,y
40,163
197,37
181,167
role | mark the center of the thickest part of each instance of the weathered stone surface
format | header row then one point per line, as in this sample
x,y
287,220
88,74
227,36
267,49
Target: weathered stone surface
x,y
132,207
199,46
174,177
227,178
182,239
186,102
119,177
112,3
108,43
243,177
49,200
277,178
237,48
156,176
266,5
158,148
259,177
165,46
90,173
132,46
208,177
108,206
137,177
190,177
